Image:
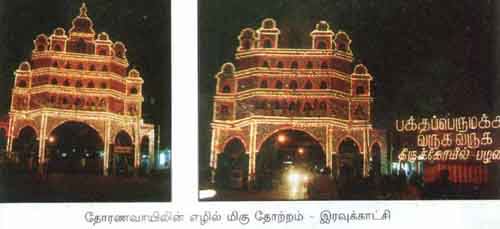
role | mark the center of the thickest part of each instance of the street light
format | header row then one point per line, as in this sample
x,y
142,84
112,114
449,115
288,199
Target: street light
x,y
301,151
52,139
281,138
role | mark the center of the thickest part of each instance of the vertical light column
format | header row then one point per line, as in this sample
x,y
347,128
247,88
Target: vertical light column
x,y
328,150
252,152
365,153
151,149
10,136
334,167
137,145
213,153
107,143
42,140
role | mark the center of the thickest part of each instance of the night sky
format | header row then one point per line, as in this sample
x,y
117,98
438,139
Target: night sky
x,y
427,57
143,26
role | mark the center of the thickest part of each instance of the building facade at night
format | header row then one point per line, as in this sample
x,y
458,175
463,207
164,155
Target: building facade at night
x,y
317,91
81,79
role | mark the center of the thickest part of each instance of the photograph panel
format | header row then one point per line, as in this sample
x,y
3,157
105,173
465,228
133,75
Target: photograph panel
x,y
348,100
85,115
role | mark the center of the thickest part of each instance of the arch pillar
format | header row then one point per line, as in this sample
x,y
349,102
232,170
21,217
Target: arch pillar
x,y
107,146
366,157
137,146
252,152
42,140
151,149
213,151
213,154
10,136
329,148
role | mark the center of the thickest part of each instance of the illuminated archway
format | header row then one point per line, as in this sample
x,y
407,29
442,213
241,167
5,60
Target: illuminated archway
x,y
349,161
123,139
25,147
232,165
75,147
123,154
284,149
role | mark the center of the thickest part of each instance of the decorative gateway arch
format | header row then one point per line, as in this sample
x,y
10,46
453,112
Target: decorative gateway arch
x,y
78,77
317,90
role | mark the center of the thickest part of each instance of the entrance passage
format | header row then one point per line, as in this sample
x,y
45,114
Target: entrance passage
x,y
122,162
74,147
232,166
286,151
349,159
25,149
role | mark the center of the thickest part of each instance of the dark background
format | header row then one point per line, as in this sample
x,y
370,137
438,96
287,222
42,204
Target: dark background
x,y
143,26
426,56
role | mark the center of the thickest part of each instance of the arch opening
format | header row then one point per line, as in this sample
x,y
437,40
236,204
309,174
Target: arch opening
x,y
232,166
268,43
349,161
321,45
286,151
122,162
25,149
75,147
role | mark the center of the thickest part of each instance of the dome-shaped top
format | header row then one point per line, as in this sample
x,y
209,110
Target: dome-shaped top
x,y
134,73
120,50
323,26
103,36
42,39
268,23
247,33
59,32
228,68
24,66
226,71
360,69
82,23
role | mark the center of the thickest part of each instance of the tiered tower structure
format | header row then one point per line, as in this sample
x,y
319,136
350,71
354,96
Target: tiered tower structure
x,y
317,90
76,76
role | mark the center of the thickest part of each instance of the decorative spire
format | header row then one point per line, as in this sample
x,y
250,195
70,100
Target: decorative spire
x,y
82,24
83,10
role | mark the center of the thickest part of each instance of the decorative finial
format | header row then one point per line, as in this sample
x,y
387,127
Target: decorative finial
x,y
83,10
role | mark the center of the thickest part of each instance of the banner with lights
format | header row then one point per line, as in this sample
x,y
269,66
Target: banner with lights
x,y
465,138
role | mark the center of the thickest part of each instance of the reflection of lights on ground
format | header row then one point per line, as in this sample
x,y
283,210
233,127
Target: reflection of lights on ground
x,y
293,178
297,182
206,194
